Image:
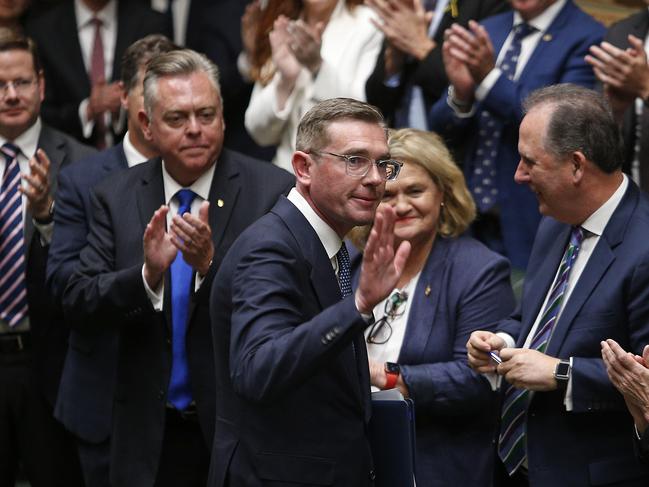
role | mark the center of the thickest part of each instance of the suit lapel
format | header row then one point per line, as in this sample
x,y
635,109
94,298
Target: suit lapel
x,y
546,42
224,192
326,288
421,319
71,49
538,282
499,34
601,259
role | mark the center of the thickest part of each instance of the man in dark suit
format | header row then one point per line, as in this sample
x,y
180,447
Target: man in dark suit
x,y
32,343
152,284
492,67
588,280
620,63
409,75
285,342
83,93
85,400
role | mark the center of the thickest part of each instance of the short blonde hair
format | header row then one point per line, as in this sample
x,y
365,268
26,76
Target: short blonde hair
x,y
427,150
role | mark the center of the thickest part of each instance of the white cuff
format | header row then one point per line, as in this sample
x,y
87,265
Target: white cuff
x,y
154,296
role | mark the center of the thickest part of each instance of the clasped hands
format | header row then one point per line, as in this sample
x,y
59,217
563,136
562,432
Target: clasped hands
x,y
190,234
469,57
522,367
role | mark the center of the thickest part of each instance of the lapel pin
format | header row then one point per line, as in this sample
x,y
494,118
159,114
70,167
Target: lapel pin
x,y
219,203
427,290
547,37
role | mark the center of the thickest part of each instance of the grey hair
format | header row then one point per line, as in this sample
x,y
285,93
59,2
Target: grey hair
x,y
581,120
182,62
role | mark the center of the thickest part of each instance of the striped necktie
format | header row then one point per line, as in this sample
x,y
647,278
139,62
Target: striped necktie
x,y
512,441
13,290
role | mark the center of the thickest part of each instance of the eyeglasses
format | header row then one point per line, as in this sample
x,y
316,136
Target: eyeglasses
x,y
381,330
359,166
20,86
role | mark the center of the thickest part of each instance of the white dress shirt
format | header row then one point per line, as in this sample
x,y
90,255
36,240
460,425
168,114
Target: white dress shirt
x,y
86,31
202,189
180,14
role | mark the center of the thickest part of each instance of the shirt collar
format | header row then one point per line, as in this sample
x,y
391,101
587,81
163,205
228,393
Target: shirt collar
x,y
542,21
133,156
201,186
84,15
329,238
597,221
27,142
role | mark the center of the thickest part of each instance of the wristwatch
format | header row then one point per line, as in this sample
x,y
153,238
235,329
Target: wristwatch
x,y
392,372
49,218
562,374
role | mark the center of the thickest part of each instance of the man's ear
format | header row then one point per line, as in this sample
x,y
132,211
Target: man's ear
x,y
302,166
145,123
578,162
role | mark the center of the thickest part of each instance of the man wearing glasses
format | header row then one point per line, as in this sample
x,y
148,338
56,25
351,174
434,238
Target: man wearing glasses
x,y
32,341
287,330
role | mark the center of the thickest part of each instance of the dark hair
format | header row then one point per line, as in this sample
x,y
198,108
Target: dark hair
x,y
312,131
11,40
581,120
139,54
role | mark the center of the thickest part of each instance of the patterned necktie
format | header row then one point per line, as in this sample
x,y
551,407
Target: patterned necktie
x,y
98,76
180,394
13,290
344,271
511,443
483,182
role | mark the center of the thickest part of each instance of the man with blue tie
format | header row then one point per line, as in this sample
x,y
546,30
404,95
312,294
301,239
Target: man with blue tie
x,y
32,342
85,400
492,67
159,232
287,330
562,420
409,75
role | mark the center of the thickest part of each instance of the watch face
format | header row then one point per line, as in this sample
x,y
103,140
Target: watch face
x,y
562,370
392,368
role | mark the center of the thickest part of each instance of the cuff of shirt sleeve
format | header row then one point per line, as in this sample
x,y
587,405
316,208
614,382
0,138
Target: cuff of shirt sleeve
x,y
567,400
45,231
488,82
459,110
154,296
86,124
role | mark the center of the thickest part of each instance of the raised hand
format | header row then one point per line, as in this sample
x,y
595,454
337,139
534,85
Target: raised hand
x,y
193,237
306,42
159,250
37,191
382,265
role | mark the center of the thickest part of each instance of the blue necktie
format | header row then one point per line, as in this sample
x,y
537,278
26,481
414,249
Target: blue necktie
x,y
180,394
483,181
13,289
344,272
511,443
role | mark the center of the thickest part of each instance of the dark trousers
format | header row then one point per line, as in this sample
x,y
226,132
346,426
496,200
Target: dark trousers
x,y
29,434
95,462
185,457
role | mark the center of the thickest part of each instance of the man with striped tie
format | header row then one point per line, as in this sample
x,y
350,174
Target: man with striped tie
x,y
32,344
562,420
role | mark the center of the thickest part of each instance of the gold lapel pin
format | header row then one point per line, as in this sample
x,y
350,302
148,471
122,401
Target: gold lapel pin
x,y
427,291
219,203
547,37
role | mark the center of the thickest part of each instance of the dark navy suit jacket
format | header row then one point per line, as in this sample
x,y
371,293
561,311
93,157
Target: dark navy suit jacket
x,y
592,444
300,402
107,291
463,287
85,401
558,58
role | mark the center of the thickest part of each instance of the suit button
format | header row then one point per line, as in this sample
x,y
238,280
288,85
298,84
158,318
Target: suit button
x,y
161,394
168,340
336,330
324,341
330,335
372,475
